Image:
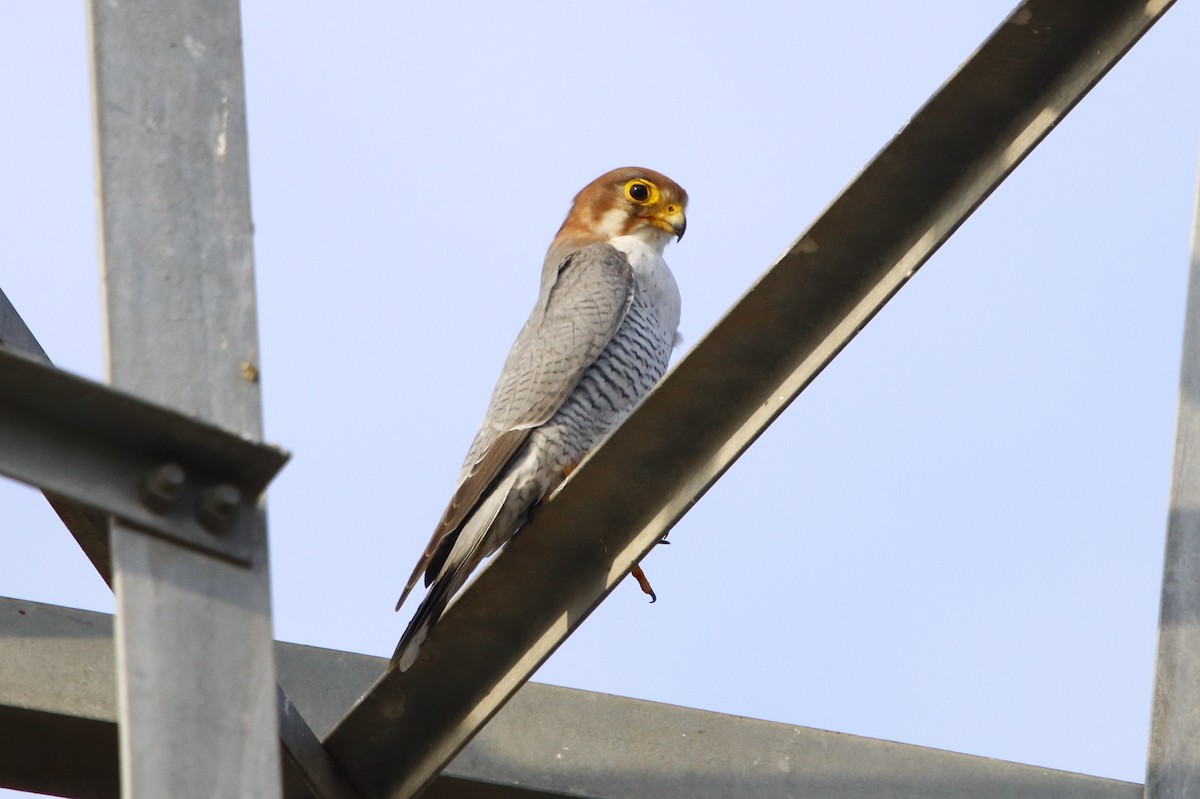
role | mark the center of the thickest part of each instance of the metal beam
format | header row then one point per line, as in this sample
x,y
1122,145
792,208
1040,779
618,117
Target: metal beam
x,y
15,335
89,528
56,698
308,770
103,449
1028,74
306,763
196,672
1173,768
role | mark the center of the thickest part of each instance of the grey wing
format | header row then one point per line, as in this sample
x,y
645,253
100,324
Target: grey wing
x,y
583,300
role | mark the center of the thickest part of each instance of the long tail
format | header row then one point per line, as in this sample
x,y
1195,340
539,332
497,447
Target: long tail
x,y
475,542
428,612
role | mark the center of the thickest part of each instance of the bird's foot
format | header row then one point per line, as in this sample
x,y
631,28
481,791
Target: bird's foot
x,y
640,576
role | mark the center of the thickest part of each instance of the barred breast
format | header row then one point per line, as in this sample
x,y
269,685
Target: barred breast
x,y
625,371
608,390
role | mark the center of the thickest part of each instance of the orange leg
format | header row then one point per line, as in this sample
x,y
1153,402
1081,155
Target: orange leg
x,y
636,571
640,576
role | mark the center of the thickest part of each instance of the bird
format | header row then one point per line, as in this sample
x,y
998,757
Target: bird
x,y
598,339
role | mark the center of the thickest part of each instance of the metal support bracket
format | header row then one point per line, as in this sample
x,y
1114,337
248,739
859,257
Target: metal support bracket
x,y
153,468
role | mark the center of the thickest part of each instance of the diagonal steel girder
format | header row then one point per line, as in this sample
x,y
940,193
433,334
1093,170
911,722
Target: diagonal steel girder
x,y
58,735
965,140
89,527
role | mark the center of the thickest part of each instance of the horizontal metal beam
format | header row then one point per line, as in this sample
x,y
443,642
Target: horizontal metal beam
x,y
57,734
152,467
58,731
89,527
1029,73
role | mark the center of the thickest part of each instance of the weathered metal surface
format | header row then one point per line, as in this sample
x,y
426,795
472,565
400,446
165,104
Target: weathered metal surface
x,y
15,335
89,527
1173,768
307,767
196,672
41,745
86,442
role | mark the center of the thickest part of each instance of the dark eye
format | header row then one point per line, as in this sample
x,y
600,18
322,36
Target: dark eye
x,y
639,193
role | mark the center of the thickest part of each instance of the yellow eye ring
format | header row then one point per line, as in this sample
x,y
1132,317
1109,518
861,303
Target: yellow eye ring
x,y
642,192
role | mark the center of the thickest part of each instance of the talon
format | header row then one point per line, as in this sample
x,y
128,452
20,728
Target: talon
x,y
640,576
567,470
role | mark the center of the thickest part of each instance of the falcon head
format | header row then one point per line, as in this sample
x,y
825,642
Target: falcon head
x,y
631,201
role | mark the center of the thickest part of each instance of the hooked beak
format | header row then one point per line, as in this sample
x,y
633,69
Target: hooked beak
x,y
679,227
672,221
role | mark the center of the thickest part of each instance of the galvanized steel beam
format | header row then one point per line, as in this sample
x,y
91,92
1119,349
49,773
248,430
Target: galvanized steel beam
x,y
56,707
1173,768
1028,74
196,673
15,335
306,763
308,770
89,527
104,449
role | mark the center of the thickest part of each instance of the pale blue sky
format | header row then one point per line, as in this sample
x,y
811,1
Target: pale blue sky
x,y
953,538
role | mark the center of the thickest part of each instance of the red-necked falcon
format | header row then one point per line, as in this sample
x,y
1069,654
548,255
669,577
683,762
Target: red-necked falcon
x,y
597,341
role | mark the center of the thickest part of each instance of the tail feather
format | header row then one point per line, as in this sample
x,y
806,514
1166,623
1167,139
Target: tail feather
x,y
428,612
477,539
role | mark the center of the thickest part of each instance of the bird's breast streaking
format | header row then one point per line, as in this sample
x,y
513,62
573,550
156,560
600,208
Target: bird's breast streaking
x,y
597,341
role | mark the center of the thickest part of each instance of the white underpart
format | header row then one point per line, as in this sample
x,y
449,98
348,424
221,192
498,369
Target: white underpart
x,y
644,251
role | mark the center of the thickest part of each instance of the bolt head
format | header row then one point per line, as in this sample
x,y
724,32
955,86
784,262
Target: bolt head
x,y
162,486
218,507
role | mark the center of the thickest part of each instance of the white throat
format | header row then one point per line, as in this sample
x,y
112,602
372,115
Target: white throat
x,y
611,223
651,273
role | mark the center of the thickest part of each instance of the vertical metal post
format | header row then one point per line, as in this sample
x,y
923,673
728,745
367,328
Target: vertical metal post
x,y
1173,770
196,689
